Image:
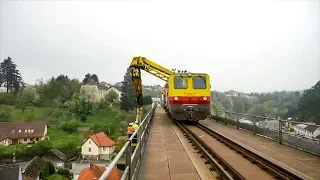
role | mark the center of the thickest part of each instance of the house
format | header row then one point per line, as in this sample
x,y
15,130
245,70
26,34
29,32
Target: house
x,y
310,131
56,157
10,172
94,92
299,129
98,146
113,88
22,132
95,172
156,99
33,169
107,85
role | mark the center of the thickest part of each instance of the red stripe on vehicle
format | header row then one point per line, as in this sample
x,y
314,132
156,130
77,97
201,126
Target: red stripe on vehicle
x,y
189,100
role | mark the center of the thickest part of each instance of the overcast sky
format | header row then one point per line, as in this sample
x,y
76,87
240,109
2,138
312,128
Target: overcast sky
x,y
250,46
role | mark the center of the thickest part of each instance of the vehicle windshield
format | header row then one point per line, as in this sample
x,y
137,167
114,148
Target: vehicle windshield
x,y
199,82
180,82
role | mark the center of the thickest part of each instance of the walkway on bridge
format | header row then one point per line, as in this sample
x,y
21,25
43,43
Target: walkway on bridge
x,y
165,157
301,161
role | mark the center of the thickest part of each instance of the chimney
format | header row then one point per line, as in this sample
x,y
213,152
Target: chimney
x,y
91,165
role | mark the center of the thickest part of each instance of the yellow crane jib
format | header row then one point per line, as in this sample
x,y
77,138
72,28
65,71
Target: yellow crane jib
x,y
138,63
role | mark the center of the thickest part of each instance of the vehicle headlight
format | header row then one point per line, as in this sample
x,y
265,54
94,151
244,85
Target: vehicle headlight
x,y
176,98
205,98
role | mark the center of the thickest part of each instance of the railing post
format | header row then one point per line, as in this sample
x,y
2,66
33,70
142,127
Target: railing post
x,y
280,131
128,159
225,117
254,124
140,142
237,118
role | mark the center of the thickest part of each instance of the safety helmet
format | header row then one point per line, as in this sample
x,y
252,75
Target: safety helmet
x,y
136,122
131,124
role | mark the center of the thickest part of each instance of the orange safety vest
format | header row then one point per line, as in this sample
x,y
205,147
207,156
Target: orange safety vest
x,y
164,91
130,129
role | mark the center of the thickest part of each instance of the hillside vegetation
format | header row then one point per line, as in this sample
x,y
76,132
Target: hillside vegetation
x,y
60,102
299,105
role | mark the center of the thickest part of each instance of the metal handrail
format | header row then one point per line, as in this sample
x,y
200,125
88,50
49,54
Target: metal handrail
x,y
130,157
307,145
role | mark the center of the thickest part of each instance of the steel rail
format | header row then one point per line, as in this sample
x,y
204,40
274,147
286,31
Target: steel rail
x,y
274,169
224,170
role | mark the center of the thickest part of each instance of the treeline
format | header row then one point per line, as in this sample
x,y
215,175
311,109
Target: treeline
x,y
283,104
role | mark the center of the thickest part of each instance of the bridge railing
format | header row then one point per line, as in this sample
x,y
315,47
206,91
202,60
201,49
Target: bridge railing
x,y
133,159
291,133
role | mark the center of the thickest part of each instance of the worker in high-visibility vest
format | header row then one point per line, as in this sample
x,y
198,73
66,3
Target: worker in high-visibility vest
x,y
130,129
135,125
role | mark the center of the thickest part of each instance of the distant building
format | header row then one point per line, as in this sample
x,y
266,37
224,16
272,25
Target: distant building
x,y
94,92
22,132
115,89
231,93
156,99
56,157
95,172
107,85
98,146
307,130
10,172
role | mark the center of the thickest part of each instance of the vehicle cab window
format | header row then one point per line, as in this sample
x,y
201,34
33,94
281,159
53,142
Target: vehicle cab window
x,y
199,82
180,82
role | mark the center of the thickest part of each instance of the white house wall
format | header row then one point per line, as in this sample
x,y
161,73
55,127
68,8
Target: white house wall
x,y
316,132
89,144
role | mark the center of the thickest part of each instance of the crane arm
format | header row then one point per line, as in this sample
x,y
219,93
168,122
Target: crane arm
x,y
139,63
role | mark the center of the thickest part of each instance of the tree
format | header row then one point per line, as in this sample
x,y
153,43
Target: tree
x,y
28,97
147,100
94,78
90,79
86,79
128,96
10,76
112,96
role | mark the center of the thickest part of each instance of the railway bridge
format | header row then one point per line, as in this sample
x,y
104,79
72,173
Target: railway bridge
x,y
224,146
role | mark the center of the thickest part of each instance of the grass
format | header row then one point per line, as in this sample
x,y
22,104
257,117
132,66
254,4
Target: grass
x,y
59,137
55,176
39,113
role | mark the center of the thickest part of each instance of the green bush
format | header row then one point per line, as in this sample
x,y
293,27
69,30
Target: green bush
x,y
64,172
51,167
70,126
7,98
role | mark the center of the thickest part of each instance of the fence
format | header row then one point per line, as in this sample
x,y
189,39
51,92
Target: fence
x,y
295,134
133,160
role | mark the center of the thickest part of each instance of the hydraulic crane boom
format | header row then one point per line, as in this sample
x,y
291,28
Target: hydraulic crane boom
x,y
153,68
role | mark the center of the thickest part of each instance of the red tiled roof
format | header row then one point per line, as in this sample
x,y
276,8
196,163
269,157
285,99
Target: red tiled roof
x,y
95,171
22,129
102,140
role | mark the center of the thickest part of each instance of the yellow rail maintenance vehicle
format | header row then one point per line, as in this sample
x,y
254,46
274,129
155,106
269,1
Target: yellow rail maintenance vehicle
x,y
186,95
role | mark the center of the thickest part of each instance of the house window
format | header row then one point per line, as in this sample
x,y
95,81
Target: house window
x,y
89,142
89,149
37,139
104,148
25,139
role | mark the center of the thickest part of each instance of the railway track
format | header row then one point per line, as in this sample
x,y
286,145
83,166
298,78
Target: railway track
x,y
222,167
